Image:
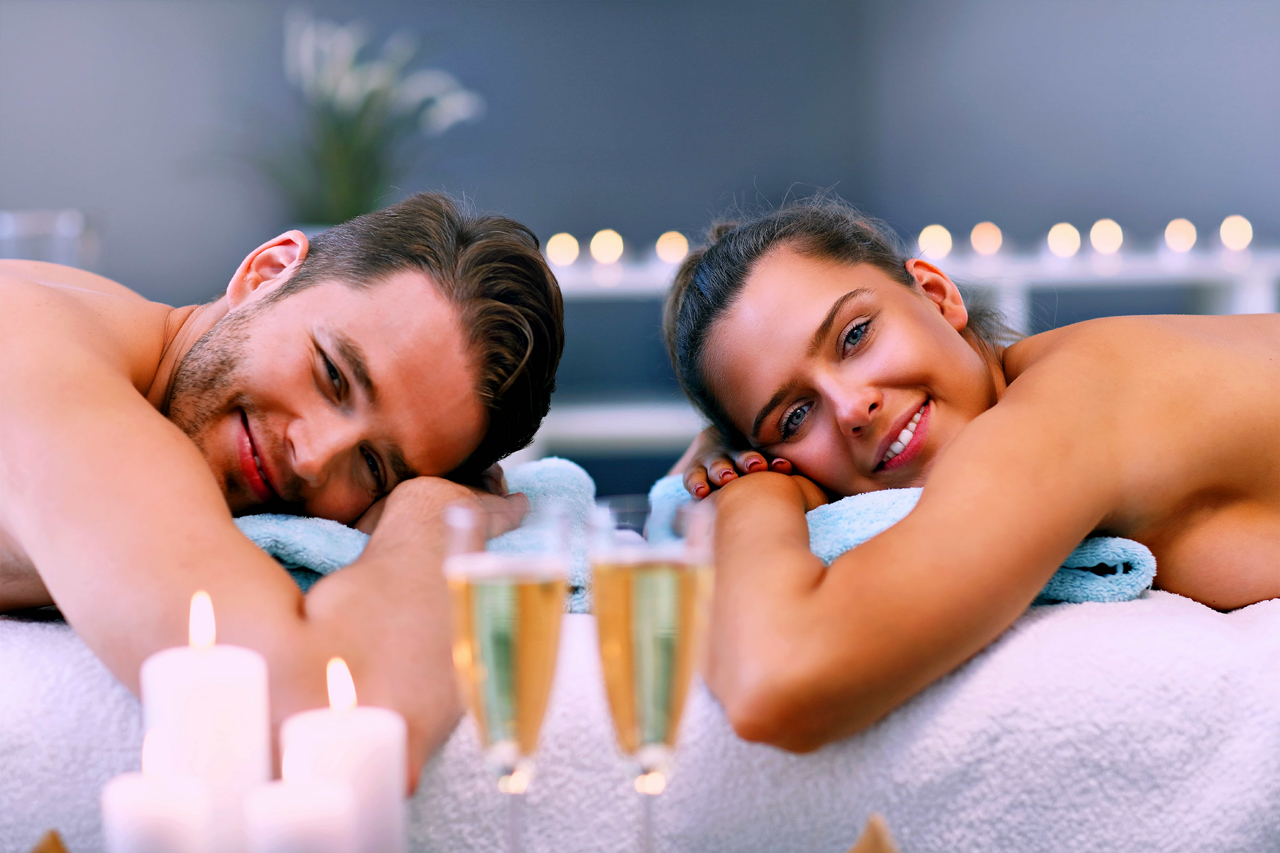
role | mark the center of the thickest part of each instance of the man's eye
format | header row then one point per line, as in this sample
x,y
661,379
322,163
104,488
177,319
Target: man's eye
x,y
793,419
334,376
374,468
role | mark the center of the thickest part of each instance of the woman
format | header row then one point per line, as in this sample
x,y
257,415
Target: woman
x,y
832,364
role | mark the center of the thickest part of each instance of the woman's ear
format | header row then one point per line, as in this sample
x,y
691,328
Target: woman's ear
x,y
941,291
267,268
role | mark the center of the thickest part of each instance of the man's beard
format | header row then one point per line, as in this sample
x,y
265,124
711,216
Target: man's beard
x,y
205,380
207,386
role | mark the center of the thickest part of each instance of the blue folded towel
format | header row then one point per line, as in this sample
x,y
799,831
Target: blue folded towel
x,y
1100,569
311,547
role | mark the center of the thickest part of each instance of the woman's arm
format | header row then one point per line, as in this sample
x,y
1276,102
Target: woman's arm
x,y
801,655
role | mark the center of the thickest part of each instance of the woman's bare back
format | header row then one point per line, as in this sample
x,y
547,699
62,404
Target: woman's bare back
x,y
1188,408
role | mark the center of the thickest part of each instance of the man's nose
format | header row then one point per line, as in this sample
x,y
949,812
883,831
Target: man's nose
x,y
316,444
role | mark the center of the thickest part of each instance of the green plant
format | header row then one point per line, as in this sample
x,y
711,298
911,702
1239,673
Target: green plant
x,y
365,118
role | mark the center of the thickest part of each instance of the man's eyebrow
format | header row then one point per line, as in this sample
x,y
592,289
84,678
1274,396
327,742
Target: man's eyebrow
x,y
824,328
399,466
777,398
354,357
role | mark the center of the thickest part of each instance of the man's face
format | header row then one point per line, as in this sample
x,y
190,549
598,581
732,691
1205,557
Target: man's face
x,y
320,403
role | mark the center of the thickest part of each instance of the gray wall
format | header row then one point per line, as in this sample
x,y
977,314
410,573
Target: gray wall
x,y
644,116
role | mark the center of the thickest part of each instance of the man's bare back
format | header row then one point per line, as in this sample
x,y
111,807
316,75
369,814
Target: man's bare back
x,y
131,433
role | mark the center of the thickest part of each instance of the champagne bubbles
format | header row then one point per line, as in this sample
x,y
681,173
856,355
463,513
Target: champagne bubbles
x,y
672,247
1236,233
1064,240
986,238
562,249
607,246
1180,235
1106,237
935,242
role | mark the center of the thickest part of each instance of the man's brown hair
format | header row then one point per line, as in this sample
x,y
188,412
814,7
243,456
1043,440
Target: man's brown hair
x,y
490,268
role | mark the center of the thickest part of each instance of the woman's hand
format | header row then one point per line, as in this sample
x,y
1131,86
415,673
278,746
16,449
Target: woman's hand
x,y
806,494
710,463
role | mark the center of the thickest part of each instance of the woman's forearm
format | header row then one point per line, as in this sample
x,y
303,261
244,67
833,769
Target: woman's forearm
x,y
765,577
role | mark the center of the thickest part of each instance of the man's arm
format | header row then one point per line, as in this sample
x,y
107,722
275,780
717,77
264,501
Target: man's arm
x,y
119,513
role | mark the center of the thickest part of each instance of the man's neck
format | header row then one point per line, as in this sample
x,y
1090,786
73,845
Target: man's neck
x,y
182,328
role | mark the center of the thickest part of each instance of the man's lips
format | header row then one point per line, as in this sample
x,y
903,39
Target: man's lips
x,y
914,446
254,474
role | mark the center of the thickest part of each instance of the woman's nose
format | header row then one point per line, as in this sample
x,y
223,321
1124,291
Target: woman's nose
x,y
316,443
854,407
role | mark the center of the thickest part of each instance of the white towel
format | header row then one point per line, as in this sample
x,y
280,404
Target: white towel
x,y
1149,725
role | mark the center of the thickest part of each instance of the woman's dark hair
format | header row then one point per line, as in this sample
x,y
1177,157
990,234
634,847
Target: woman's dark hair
x,y
711,279
490,268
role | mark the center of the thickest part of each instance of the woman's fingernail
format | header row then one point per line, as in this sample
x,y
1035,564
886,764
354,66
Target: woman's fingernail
x,y
700,491
755,465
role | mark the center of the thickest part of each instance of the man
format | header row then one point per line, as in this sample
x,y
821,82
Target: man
x,y
357,370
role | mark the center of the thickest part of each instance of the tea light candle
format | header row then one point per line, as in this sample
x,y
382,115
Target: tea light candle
x,y
143,814
206,710
300,817
363,747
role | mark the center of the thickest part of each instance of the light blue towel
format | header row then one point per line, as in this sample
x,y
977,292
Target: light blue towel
x,y
1100,569
311,547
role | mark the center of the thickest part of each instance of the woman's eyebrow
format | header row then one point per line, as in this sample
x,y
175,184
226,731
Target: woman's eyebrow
x,y
774,401
824,328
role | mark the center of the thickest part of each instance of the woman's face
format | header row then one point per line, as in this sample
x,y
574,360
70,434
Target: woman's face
x,y
854,378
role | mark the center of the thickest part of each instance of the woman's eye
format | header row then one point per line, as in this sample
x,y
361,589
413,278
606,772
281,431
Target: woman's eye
x,y
374,468
856,335
793,419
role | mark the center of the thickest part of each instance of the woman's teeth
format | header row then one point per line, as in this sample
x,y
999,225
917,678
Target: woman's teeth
x,y
904,437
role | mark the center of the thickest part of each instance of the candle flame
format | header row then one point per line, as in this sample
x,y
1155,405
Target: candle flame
x,y
202,630
342,689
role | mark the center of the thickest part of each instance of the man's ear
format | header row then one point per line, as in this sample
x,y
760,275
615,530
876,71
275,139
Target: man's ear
x,y
266,268
941,291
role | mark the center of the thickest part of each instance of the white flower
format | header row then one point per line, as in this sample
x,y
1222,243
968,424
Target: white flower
x,y
451,108
321,59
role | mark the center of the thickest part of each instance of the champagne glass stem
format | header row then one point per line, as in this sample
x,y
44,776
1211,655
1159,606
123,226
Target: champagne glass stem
x,y
647,830
515,823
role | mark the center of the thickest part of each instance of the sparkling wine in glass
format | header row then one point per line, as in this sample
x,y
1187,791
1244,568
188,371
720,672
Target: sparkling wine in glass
x,y
506,617
651,584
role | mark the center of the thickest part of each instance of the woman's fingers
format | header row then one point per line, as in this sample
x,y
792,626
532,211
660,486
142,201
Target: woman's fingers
x,y
751,462
721,470
695,482
781,466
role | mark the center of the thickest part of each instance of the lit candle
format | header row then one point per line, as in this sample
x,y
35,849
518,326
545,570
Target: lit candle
x,y
363,747
145,814
300,817
206,711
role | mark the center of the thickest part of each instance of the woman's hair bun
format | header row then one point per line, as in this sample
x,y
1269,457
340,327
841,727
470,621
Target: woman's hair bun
x,y
719,228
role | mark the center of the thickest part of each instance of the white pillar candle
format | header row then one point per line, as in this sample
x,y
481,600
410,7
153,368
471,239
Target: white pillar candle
x,y
363,747
206,710
144,814
300,817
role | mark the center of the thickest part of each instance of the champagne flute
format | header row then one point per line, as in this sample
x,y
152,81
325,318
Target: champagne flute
x,y
651,590
507,606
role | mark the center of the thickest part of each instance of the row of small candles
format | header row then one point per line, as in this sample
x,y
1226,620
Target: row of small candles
x,y
1106,237
205,785
1063,240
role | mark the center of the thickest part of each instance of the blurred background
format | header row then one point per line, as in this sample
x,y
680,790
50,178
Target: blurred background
x,y
159,141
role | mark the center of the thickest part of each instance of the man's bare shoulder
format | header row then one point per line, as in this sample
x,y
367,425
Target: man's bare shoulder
x,y
67,319
57,275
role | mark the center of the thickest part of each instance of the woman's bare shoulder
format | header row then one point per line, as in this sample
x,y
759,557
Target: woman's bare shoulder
x,y
1116,342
